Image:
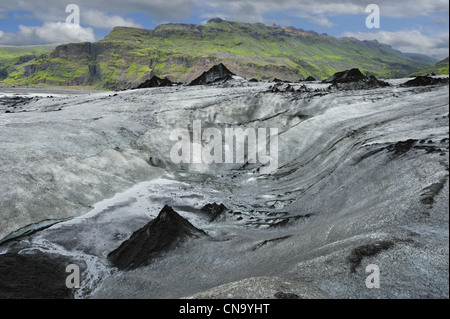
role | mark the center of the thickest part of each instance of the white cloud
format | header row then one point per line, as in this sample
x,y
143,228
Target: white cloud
x,y
99,19
318,12
54,10
49,32
316,19
410,41
336,7
326,8
164,10
321,20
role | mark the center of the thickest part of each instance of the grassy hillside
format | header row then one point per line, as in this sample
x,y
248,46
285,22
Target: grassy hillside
x,y
129,56
13,59
441,68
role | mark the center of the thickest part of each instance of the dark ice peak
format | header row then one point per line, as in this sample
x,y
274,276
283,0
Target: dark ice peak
x,y
155,82
214,211
310,79
364,84
425,81
160,235
218,73
353,75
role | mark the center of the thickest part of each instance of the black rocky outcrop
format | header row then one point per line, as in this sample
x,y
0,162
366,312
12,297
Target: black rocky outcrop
x,y
155,82
425,81
353,75
310,79
286,295
402,147
366,83
15,101
214,211
160,235
357,254
281,88
431,191
34,276
217,74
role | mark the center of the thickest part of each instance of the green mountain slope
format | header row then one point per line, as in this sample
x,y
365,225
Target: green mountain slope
x,y
422,58
13,59
129,56
441,68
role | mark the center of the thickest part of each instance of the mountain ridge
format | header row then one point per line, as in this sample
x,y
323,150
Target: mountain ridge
x,y
182,52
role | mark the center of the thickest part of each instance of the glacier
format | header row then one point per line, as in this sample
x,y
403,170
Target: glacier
x,y
362,179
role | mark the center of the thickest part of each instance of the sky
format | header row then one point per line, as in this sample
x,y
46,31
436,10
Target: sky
x,y
415,26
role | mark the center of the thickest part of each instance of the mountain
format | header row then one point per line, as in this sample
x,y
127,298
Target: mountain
x,y
181,52
422,58
13,59
441,68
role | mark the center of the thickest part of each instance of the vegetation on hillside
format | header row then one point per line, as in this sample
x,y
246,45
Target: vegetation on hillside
x,y
129,56
441,68
13,58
